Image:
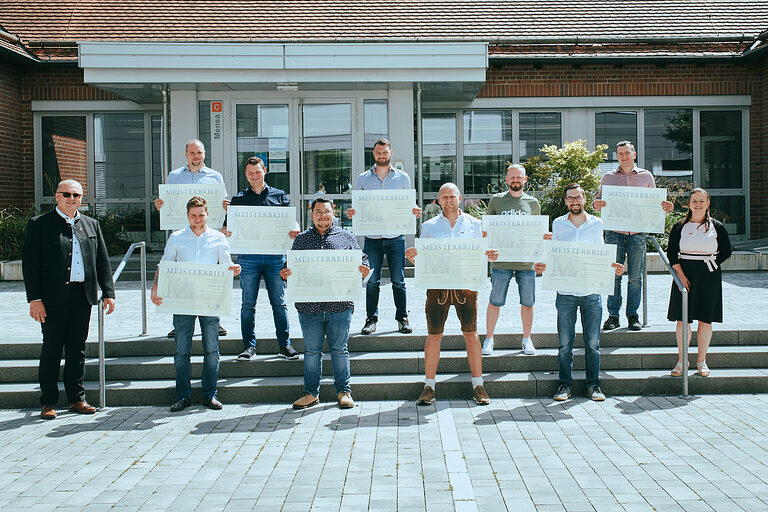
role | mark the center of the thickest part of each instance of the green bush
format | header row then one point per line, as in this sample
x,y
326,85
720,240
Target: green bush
x,y
13,223
113,229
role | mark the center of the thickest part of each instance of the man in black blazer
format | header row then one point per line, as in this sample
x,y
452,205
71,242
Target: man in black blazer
x,y
64,259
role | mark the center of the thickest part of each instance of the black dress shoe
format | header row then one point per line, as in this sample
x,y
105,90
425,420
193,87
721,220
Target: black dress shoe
x,y
222,331
212,403
181,405
288,352
634,323
611,324
172,334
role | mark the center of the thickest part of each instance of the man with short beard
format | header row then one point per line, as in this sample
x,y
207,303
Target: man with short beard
x,y
512,202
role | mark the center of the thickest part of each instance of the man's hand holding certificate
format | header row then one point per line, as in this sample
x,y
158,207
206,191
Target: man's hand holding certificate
x,y
260,229
383,212
633,209
579,268
516,237
194,288
324,275
173,214
450,263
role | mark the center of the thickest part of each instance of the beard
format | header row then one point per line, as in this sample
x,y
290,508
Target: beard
x,y
383,162
516,187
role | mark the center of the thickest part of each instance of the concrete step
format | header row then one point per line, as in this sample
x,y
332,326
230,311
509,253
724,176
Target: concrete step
x,y
29,347
401,362
542,384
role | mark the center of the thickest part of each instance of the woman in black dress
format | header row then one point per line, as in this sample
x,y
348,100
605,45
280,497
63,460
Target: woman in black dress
x,y
698,245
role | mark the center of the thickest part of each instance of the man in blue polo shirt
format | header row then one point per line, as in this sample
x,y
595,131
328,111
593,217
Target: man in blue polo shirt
x,y
382,176
194,172
254,266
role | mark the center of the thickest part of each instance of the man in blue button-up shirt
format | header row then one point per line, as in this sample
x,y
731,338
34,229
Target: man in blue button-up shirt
x,y
382,176
254,266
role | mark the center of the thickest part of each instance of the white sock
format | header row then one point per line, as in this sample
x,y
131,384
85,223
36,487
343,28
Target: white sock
x,y
430,383
477,381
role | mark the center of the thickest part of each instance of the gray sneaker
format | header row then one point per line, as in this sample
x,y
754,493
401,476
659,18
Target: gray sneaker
x,y
563,393
247,354
595,393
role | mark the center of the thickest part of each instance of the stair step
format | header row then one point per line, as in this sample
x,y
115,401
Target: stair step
x,y
29,347
407,387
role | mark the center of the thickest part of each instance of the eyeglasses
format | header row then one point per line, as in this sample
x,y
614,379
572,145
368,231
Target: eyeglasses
x,y
571,199
70,194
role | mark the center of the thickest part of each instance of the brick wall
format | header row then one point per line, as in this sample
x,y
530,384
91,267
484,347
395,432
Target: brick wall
x,y
16,188
672,79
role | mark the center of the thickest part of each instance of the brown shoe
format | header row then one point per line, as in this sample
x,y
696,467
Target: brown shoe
x,y
345,400
480,396
306,400
48,412
82,407
427,396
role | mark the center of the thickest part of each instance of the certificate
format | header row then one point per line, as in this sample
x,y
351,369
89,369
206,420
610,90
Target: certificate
x,y
578,267
518,238
451,263
260,229
324,275
173,214
634,209
384,212
194,288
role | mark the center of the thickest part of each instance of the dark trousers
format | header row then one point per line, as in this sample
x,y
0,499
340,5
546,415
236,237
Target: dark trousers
x,y
65,328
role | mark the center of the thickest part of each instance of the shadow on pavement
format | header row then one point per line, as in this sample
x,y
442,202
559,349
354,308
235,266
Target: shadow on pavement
x,y
115,419
536,412
406,414
653,403
280,419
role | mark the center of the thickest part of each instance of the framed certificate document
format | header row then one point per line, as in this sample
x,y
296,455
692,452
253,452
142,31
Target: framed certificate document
x,y
451,263
173,214
260,229
324,276
384,212
577,267
194,288
634,209
518,238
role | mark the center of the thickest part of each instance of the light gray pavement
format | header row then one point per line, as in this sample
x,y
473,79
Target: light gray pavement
x,y
625,454
745,297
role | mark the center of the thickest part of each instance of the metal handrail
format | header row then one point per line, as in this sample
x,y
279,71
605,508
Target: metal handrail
x,y
684,293
102,348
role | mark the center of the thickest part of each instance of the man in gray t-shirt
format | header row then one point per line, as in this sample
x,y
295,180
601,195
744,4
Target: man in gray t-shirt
x,y
512,202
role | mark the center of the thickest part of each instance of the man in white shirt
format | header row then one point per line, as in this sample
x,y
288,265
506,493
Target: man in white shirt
x,y
196,244
578,226
452,223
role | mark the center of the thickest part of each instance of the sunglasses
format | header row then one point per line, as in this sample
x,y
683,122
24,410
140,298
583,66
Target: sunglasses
x,y
70,194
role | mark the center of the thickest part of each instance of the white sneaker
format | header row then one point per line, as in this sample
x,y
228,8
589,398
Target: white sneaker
x,y
488,347
528,348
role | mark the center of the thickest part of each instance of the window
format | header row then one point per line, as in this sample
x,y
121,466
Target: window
x,y
721,158
611,128
263,131
538,129
669,143
327,148
64,152
487,149
118,155
376,120
439,153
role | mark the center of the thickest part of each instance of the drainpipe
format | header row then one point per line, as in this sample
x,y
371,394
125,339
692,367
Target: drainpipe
x,y
418,147
165,133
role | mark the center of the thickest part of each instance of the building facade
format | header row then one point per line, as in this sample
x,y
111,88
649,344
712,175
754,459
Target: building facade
x,y
84,97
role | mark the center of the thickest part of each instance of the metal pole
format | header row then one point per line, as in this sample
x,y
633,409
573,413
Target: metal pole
x,y
102,369
143,288
645,288
419,151
686,329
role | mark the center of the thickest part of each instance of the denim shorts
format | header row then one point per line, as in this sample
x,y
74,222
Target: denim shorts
x,y
526,286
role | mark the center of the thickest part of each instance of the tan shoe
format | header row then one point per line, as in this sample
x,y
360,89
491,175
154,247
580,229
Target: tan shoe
x,y
306,400
345,400
427,396
48,412
480,396
82,408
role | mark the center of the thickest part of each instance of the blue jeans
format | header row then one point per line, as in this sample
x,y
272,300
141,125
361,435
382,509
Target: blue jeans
x,y
526,286
375,249
254,267
630,248
315,327
185,327
591,315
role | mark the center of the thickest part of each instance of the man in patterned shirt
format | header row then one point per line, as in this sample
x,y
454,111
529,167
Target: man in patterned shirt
x,y
321,319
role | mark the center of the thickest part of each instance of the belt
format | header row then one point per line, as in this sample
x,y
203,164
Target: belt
x,y
709,259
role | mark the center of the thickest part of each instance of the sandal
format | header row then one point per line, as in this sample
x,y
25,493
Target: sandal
x,y
677,371
703,369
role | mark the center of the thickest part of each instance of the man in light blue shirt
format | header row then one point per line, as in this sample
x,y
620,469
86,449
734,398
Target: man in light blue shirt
x,y
578,226
194,172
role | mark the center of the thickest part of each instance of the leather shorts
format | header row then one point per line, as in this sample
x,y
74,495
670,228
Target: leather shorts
x,y
440,301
